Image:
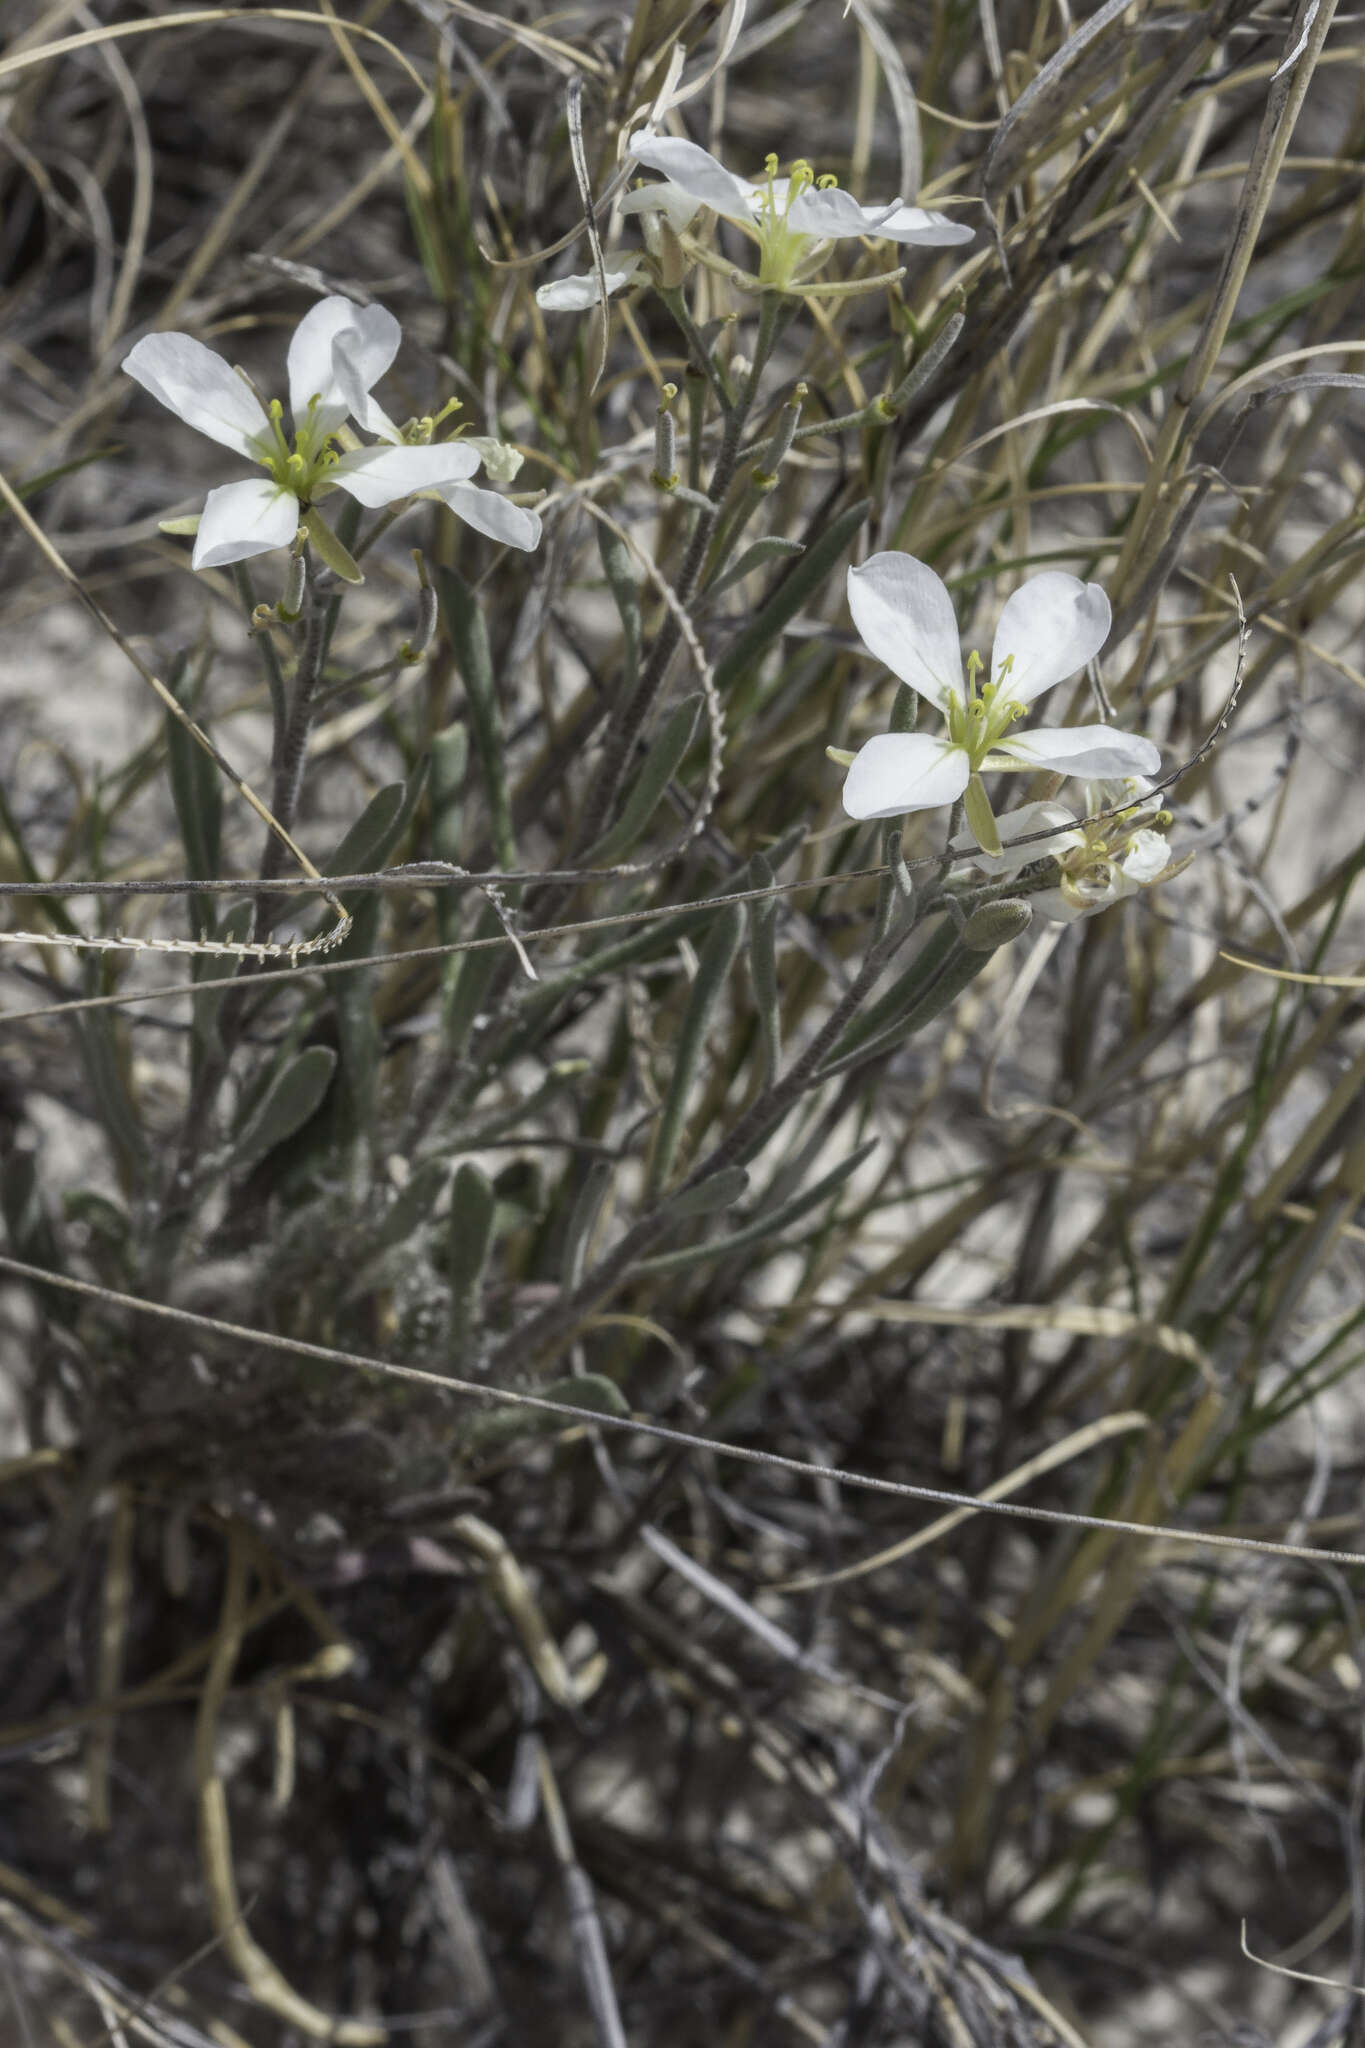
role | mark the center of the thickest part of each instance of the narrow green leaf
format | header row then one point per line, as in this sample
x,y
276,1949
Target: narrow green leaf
x,y
713,970
367,845
472,1207
412,1208
763,1229
29,1228
292,1097
366,842
474,656
721,1191
928,998
771,547
890,1009
197,793
763,968
357,1025
583,1220
660,765
791,596
449,762
95,1030
620,575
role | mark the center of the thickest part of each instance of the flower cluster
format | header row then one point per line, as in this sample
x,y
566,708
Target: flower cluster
x,y
1098,863
339,351
793,219
1049,629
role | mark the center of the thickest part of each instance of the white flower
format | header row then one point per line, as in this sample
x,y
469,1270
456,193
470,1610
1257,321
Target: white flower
x,y
792,219
338,352
1049,628
1099,864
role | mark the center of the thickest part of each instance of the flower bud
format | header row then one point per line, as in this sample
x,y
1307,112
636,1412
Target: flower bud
x,y
661,240
500,461
992,925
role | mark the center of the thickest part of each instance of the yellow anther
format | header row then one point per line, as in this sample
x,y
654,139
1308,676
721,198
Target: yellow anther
x,y
826,182
770,163
276,409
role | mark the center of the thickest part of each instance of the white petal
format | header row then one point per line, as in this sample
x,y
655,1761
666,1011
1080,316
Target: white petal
x,y
1051,903
835,214
498,517
1037,817
904,771
241,520
576,294
206,392
377,476
906,618
678,208
1080,750
1052,626
919,224
349,372
1147,856
696,172
372,338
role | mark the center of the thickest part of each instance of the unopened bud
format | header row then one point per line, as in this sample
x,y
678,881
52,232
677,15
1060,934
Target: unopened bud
x,y
661,240
992,925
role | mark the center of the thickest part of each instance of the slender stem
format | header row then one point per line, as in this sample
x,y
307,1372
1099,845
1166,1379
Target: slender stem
x,y
556,1324
702,356
628,727
293,747
270,659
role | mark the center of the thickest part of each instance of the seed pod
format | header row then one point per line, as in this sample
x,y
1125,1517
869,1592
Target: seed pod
x,y
665,442
413,650
291,600
775,454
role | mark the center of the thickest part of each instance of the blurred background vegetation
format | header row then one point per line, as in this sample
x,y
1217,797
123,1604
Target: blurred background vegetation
x,y
341,1703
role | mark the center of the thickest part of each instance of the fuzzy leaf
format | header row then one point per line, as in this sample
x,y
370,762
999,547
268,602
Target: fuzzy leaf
x,y
292,1097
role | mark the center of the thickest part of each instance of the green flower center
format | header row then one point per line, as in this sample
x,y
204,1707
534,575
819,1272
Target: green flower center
x,y
783,247
978,723
299,470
